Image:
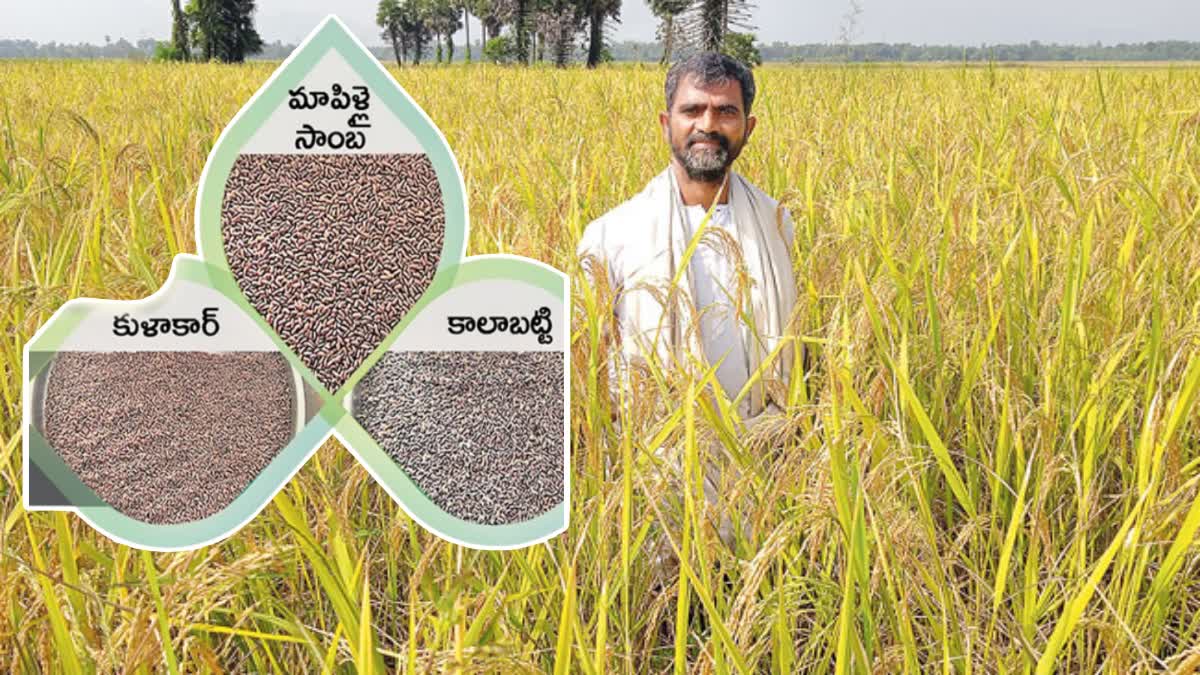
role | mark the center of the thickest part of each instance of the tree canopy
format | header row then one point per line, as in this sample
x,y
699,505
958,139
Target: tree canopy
x,y
223,30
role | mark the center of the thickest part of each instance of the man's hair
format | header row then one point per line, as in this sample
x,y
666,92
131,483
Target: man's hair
x,y
711,68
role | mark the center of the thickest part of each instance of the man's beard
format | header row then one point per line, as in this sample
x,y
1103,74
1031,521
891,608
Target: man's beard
x,y
706,165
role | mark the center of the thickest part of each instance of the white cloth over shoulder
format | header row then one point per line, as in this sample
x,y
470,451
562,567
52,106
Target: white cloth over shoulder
x,y
642,242
716,287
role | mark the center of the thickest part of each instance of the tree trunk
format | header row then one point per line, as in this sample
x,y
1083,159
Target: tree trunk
x,y
668,38
562,50
392,33
467,27
712,24
595,38
522,32
179,31
449,47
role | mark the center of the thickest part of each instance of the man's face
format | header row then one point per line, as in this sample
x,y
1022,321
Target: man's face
x,y
707,126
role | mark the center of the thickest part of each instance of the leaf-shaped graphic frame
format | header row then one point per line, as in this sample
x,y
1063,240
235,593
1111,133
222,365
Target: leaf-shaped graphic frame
x,y
84,501
397,483
333,35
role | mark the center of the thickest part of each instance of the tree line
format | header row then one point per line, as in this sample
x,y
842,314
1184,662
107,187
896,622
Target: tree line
x,y
211,30
511,31
1161,50
556,31
1168,50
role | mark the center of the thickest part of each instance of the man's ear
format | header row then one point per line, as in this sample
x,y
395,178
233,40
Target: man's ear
x,y
664,121
751,120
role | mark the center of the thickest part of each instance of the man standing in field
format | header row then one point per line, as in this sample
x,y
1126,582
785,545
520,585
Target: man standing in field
x,y
728,298
734,296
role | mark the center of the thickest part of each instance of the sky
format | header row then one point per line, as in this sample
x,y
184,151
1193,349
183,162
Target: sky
x,y
959,22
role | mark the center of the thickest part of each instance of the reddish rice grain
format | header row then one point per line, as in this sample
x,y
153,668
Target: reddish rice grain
x,y
168,437
333,250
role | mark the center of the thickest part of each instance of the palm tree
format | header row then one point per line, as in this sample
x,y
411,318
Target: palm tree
x,y
489,18
415,21
559,22
710,25
668,12
466,19
708,21
179,31
596,12
443,22
390,17
224,29
518,14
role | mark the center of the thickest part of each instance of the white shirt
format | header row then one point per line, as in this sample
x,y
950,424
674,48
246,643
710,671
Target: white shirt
x,y
620,241
714,279
636,244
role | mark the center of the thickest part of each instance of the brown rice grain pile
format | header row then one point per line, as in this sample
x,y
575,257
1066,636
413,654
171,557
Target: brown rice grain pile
x,y
169,437
333,250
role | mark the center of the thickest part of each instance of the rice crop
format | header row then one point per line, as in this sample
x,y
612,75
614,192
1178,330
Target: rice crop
x,y
992,464
332,250
480,433
169,437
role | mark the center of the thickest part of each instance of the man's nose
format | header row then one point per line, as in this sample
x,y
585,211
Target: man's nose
x,y
707,121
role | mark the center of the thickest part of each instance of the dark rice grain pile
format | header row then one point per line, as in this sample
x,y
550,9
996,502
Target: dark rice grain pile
x,y
480,433
333,250
169,437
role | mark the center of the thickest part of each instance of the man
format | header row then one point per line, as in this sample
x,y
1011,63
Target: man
x,y
733,299
728,298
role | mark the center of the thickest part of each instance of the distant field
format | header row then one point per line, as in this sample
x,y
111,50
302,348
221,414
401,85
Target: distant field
x,y
992,466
